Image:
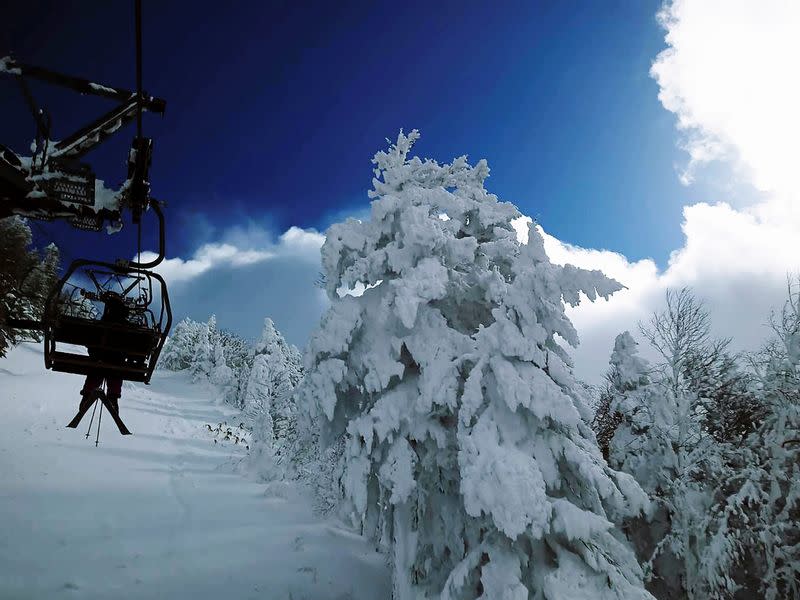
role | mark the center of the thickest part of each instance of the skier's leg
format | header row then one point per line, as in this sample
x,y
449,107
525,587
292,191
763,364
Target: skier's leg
x,y
114,391
89,393
93,382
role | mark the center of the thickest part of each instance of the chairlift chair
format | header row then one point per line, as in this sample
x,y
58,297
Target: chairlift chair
x,y
73,320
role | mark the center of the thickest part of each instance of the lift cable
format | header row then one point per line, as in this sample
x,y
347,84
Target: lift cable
x,y
139,94
138,9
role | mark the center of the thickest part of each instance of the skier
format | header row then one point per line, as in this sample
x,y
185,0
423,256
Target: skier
x,y
114,311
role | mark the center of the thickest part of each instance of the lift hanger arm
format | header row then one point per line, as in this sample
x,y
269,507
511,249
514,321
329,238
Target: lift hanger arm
x,y
99,130
95,133
82,86
71,196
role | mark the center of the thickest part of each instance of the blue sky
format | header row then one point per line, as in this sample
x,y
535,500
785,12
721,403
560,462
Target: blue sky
x,y
274,111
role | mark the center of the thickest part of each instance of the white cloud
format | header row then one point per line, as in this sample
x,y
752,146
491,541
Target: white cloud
x,y
303,241
247,274
729,76
246,247
735,262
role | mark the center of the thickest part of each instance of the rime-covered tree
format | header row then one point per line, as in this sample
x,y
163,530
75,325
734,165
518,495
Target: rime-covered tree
x,y
39,284
238,354
633,427
762,509
276,371
179,350
202,363
238,351
468,450
628,373
730,409
228,361
687,460
635,403
268,399
257,399
26,279
671,426
221,374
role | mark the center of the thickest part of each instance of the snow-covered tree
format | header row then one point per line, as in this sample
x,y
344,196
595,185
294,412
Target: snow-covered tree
x,y
275,372
286,366
221,374
670,426
238,351
259,392
730,409
636,405
628,373
179,349
26,279
696,551
268,400
42,279
257,402
228,361
202,362
762,508
628,426
468,450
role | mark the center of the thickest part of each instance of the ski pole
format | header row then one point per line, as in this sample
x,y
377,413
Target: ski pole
x,y
99,418
91,420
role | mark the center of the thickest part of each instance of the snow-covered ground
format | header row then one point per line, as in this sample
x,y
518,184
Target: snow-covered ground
x,y
159,514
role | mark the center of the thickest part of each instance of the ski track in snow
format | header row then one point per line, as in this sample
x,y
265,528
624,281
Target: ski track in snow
x,y
159,514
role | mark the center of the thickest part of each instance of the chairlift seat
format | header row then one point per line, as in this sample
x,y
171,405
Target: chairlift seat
x,y
77,364
95,334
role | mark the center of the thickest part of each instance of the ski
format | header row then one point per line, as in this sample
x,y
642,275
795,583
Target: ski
x,y
87,403
113,410
111,407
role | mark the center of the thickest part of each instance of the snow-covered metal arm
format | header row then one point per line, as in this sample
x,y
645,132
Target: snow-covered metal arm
x,y
51,184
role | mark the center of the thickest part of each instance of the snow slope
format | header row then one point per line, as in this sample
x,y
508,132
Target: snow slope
x,y
160,514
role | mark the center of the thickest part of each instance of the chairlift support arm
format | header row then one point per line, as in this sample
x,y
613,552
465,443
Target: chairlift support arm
x,y
95,133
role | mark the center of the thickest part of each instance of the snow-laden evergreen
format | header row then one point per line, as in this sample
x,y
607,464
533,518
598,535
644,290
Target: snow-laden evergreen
x,y
259,379
221,374
268,399
663,440
716,448
26,279
210,355
202,363
468,454
179,350
762,511
637,404
276,371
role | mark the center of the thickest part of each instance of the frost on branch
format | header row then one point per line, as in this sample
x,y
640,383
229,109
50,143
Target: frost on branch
x,y
468,454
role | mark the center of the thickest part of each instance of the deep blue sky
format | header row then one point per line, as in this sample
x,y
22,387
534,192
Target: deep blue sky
x,y
275,109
